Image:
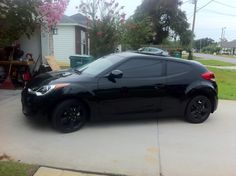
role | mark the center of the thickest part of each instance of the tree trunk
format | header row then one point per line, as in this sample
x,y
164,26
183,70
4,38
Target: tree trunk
x,y
51,47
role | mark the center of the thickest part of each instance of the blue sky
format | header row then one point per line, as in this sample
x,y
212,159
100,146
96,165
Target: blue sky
x,y
209,20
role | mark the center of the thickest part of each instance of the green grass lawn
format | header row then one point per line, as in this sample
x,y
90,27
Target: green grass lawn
x,y
212,62
11,168
226,80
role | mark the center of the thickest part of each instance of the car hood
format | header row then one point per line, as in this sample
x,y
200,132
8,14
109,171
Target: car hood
x,y
55,77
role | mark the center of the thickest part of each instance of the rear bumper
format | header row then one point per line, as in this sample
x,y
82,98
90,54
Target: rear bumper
x,y
215,104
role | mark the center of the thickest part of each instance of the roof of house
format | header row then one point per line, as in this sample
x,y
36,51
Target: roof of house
x,y
66,19
231,44
78,19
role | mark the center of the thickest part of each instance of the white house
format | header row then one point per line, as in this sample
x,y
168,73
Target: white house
x,y
70,38
228,47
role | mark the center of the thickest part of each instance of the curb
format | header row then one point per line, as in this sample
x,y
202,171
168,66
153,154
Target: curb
x,y
54,171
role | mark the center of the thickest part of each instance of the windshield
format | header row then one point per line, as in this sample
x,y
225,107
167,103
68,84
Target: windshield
x,y
98,66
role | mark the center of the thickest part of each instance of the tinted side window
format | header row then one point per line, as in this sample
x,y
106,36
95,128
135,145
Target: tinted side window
x,y
141,68
177,68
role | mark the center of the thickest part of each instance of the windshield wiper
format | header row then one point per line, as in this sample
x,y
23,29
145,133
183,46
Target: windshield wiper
x,y
77,71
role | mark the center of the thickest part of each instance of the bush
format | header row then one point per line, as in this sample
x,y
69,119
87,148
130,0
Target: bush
x,y
211,49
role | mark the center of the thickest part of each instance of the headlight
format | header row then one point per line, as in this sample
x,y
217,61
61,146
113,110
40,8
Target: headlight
x,y
44,90
47,88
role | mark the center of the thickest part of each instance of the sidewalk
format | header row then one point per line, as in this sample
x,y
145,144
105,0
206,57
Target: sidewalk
x,y
223,67
45,171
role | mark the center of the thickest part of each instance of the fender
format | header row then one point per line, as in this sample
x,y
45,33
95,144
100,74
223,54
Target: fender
x,y
203,88
82,93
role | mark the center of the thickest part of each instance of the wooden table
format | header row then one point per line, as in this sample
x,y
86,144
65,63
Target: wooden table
x,y
16,62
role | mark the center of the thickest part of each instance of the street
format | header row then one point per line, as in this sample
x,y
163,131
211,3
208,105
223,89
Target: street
x,y
215,57
168,146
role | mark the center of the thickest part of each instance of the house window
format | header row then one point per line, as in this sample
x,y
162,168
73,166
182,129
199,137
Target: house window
x,y
83,42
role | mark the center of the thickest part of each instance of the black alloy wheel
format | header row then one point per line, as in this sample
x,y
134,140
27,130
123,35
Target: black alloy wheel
x,y
69,116
198,109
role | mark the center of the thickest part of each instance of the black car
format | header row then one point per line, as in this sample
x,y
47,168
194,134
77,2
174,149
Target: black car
x,y
124,85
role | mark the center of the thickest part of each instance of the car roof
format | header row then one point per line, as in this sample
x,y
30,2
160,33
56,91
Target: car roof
x,y
135,54
128,55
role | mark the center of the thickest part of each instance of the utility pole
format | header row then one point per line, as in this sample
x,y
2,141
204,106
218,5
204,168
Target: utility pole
x,y
194,15
190,57
200,45
222,34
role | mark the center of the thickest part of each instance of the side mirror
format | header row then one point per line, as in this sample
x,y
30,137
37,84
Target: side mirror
x,y
115,74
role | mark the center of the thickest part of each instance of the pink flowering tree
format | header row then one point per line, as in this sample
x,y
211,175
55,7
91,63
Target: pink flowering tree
x,y
105,18
51,12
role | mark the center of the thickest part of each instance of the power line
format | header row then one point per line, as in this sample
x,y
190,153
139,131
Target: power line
x,y
226,5
216,12
220,13
205,5
201,8
186,1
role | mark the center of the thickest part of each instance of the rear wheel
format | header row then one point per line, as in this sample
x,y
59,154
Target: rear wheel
x,y
69,116
198,109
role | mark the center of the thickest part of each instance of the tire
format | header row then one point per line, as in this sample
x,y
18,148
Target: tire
x,y
69,116
198,109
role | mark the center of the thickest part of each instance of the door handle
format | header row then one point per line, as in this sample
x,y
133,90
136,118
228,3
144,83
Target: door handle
x,y
159,86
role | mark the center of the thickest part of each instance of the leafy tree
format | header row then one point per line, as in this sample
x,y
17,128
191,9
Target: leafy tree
x,y
22,17
17,17
167,18
105,19
203,42
185,39
136,32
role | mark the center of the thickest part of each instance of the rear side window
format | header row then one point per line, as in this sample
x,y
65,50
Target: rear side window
x,y
174,68
141,68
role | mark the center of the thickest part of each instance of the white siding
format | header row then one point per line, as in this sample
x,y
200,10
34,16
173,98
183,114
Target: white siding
x,y
45,44
31,45
64,43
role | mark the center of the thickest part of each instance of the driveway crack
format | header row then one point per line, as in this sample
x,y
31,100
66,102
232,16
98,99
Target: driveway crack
x,y
159,147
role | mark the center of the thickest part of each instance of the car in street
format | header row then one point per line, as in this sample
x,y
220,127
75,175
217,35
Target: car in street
x,y
153,50
122,85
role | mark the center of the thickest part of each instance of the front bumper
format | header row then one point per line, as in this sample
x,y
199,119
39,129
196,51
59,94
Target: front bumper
x,y
35,106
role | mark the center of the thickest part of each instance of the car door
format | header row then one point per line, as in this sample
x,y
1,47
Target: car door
x,y
136,94
178,77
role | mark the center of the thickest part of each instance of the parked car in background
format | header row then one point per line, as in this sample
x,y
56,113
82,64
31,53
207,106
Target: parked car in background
x,y
153,50
122,85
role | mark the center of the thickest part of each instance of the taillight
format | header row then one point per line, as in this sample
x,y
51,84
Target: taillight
x,y
210,76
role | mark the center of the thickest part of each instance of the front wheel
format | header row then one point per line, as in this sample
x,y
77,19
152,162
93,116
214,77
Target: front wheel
x,y
198,109
69,116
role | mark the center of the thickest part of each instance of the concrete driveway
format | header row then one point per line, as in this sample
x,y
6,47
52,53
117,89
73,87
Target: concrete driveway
x,y
140,148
